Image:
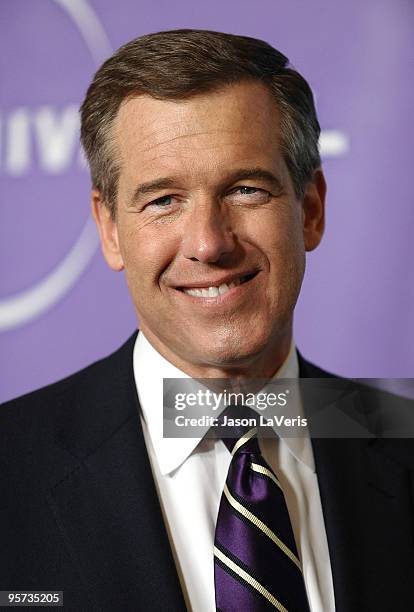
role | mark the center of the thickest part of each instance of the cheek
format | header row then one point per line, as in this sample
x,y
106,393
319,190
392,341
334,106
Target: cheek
x,y
146,254
280,236
282,243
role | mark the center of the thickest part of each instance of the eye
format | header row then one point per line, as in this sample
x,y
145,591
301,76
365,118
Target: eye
x,y
249,190
251,194
161,202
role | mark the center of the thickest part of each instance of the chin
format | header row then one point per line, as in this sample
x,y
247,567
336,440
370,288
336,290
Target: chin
x,y
231,352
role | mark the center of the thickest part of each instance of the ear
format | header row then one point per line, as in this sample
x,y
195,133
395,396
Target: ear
x,y
108,232
313,211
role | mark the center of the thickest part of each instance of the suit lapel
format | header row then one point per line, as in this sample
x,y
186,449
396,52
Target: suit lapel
x,y
367,510
107,506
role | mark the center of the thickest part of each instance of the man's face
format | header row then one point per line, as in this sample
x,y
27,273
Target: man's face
x,y
208,228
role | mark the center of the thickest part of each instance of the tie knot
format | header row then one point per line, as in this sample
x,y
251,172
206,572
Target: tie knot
x,y
238,429
246,444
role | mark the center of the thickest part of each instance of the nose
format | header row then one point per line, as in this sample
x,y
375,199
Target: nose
x,y
207,233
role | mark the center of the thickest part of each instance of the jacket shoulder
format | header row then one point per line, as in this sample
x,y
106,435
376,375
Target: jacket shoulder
x,y
95,380
310,370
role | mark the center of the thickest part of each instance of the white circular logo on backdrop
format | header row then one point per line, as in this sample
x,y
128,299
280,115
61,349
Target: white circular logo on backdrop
x,y
25,306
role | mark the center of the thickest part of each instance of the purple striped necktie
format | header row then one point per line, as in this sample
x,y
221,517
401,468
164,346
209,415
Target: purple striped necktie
x,y
256,563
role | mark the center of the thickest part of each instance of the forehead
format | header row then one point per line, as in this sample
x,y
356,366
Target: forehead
x,y
239,123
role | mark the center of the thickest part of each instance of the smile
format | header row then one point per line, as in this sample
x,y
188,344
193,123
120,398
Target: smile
x,y
212,291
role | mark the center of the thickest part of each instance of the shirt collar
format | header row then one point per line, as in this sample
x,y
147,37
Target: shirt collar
x,y
150,367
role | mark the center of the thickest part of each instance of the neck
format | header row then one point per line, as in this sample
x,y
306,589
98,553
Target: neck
x,y
263,365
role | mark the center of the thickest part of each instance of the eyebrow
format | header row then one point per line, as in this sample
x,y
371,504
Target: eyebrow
x,y
237,175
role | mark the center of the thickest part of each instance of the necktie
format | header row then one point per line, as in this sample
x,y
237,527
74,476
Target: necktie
x,y
256,564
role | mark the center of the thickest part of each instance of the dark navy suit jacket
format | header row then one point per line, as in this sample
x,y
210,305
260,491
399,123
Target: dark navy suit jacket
x,y
79,510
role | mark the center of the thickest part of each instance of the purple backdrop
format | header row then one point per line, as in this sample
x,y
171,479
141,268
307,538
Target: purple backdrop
x,y
60,308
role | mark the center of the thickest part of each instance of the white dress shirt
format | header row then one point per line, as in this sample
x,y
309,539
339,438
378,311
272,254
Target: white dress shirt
x,y
190,474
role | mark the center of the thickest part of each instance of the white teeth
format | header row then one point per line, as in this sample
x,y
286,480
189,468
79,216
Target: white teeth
x,y
209,292
194,292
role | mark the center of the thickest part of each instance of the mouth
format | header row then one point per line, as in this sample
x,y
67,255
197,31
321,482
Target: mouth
x,y
218,288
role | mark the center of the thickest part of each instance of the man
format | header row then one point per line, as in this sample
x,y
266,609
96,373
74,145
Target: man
x,y
208,191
